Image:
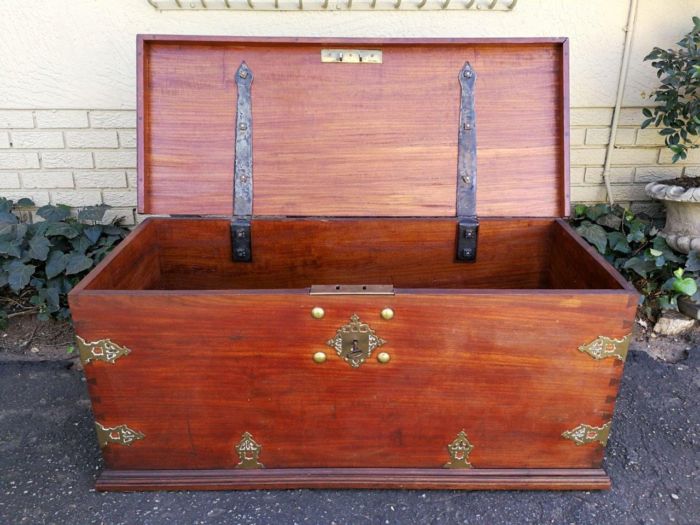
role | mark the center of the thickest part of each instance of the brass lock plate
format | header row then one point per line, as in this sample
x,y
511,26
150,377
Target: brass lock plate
x,y
355,342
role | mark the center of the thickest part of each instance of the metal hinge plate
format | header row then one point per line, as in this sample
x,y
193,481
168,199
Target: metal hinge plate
x,y
467,236
468,227
351,289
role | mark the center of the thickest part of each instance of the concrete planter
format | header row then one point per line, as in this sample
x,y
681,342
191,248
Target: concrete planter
x,y
682,230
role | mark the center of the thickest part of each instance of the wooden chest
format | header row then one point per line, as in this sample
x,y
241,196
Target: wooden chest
x,y
339,303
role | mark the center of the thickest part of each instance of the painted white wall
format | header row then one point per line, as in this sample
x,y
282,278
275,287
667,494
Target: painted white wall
x,y
81,53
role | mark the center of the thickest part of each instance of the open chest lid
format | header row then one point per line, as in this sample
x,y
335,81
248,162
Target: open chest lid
x,y
350,127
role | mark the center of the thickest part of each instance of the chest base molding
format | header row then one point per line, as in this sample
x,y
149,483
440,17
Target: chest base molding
x,y
354,478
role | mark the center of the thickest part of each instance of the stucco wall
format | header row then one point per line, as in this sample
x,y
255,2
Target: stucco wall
x,y
79,55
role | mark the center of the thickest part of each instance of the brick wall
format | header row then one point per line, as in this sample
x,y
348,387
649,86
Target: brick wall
x,y
73,157
84,157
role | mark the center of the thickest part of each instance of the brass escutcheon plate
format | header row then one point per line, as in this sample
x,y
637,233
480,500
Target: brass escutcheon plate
x,y
120,435
248,451
604,347
584,434
459,451
101,350
355,342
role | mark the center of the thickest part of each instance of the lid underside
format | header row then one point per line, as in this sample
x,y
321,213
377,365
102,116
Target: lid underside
x,y
352,139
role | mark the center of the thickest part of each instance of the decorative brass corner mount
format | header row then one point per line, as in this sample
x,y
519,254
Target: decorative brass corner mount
x,y
459,451
101,350
584,434
121,435
604,347
248,451
355,342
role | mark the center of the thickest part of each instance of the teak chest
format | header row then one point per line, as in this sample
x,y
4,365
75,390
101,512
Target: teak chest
x,y
340,304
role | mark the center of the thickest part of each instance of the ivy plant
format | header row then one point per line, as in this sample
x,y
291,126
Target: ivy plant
x,y
40,262
632,244
678,111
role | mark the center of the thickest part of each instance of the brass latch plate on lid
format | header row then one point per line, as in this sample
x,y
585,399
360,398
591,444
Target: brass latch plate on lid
x,y
352,56
351,289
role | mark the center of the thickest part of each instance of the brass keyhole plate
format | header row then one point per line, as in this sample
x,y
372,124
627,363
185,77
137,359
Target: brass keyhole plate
x,y
355,342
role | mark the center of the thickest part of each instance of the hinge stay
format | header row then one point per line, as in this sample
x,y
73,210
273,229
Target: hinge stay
x,y
468,223
243,169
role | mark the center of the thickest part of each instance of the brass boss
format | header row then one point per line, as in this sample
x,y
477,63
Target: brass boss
x,y
317,312
383,357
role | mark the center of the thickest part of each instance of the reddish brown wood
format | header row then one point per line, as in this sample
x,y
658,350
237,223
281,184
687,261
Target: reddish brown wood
x,y
504,367
396,156
195,254
138,265
477,479
565,127
576,264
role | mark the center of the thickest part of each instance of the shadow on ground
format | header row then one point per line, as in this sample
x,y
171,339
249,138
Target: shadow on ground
x,y
49,460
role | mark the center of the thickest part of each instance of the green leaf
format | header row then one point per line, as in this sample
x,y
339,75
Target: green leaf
x,y
618,242
63,229
93,233
93,213
640,266
78,263
8,218
593,212
685,286
56,264
678,273
39,248
10,248
51,298
19,275
594,234
25,203
693,262
81,244
610,221
54,213
5,204
655,253
646,112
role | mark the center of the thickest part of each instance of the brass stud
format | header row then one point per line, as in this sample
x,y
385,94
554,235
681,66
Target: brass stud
x,y
383,357
387,313
317,312
320,357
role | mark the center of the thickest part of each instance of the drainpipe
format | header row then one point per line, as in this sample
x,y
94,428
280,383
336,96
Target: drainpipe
x,y
624,68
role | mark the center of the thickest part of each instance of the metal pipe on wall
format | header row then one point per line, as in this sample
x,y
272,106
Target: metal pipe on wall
x,y
622,80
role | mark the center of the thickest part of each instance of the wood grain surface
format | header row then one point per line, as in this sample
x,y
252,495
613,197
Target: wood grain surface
x,y
207,366
352,139
475,479
195,254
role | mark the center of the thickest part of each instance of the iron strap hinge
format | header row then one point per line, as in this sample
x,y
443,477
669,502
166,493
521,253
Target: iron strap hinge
x,y
468,223
243,169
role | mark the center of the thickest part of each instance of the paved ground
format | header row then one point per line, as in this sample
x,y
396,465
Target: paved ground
x,y
49,458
